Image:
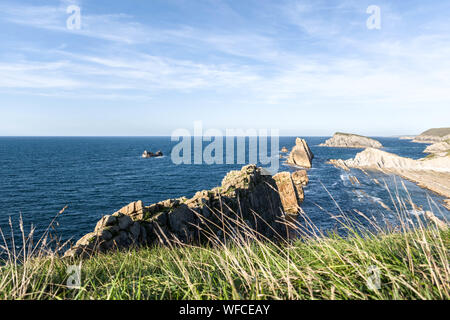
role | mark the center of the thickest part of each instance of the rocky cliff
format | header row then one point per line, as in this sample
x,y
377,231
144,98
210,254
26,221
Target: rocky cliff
x,y
440,149
433,135
246,200
347,140
377,159
300,154
430,173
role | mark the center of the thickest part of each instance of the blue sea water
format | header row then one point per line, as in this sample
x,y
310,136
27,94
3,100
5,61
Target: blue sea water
x,y
95,176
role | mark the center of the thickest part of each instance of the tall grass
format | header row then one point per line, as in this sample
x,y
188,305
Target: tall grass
x,y
411,259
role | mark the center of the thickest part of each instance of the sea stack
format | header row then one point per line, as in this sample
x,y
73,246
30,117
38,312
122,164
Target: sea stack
x,y
148,154
348,140
301,155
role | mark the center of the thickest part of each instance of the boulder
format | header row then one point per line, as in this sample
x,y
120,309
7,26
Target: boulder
x,y
301,155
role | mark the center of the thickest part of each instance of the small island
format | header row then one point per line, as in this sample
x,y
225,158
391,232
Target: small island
x,y
148,154
349,140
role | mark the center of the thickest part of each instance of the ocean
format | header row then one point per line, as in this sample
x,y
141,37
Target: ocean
x,y
95,176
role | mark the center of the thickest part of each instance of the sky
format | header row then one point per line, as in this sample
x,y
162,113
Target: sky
x,y
142,68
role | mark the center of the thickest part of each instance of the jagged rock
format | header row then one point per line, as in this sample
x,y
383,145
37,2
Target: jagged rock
x,y
287,192
300,177
245,197
301,155
348,140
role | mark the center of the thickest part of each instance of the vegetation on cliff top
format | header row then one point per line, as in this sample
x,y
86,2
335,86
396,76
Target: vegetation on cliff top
x,y
412,264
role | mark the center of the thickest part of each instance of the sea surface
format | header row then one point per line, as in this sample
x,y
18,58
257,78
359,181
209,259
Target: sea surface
x,y
95,176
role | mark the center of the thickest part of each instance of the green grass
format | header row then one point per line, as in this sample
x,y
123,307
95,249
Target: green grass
x,y
413,265
412,260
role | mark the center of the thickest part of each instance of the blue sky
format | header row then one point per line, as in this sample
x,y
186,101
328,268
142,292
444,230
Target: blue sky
x,y
149,67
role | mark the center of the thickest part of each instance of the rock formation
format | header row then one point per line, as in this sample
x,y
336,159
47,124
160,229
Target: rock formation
x,y
301,155
247,199
433,135
347,140
430,173
440,149
284,150
148,154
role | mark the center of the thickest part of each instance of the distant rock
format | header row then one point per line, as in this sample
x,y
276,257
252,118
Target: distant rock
x,y
246,201
407,137
433,135
148,154
348,140
441,149
300,154
284,150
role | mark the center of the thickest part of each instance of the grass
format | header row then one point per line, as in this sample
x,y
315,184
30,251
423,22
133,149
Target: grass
x,y
439,132
412,262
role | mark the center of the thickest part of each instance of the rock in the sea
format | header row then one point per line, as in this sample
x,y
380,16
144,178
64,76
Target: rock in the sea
x,y
284,150
432,173
247,199
348,140
301,155
433,135
148,154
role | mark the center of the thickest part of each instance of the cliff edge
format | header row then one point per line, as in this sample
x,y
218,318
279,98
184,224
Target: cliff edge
x,y
247,200
301,154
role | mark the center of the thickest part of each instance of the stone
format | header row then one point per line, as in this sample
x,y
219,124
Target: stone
x,y
135,230
301,155
124,222
284,150
300,177
106,221
287,192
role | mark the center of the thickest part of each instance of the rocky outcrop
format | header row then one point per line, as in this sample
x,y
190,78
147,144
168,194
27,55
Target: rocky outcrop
x,y
430,173
247,199
433,135
148,154
284,150
347,140
301,155
440,149
378,159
